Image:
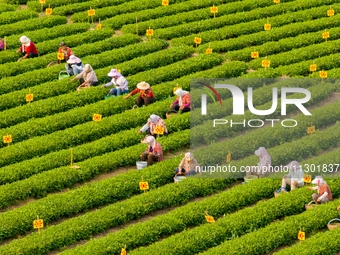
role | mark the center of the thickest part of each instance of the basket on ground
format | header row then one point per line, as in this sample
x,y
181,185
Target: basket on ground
x,y
334,225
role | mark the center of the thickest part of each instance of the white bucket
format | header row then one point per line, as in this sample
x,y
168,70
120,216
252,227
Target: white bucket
x,y
141,164
179,178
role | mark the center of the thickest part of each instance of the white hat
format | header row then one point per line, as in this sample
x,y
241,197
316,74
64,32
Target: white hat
x,y
143,85
113,73
87,68
318,180
73,59
24,40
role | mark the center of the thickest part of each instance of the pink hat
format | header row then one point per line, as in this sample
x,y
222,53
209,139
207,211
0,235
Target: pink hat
x,y
113,73
73,59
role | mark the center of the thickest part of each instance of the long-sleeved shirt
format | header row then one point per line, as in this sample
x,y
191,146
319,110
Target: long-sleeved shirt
x,y
88,77
186,101
191,166
67,53
29,49
157,151
120,83
297,175
143,93
152,126
324,191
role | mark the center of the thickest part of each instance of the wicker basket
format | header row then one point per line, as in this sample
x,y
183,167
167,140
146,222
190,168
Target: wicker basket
x,y
171,113
311,205
276,194
334,225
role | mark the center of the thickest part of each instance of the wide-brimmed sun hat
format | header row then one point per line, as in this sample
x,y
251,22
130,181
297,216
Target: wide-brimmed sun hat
x,y
73,59
113,73
143,85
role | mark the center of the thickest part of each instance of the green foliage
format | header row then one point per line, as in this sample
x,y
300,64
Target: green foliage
x,y
209,32
249,220
145,233
6,7
194,14
83,227
111,11
31,24
15,16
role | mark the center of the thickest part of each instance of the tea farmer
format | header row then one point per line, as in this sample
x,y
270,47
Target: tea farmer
x,y
66,50
86,78
188,166
150,126
27,48
119,81
338,208
263,166
182,102
324,193
154,151
74,65
2,44
294,178
146,95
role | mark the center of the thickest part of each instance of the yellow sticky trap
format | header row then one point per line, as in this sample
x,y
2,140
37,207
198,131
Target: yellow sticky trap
x,y
330,13
214,9
307,178
323,74
312,67
311,130
254,54
143,185
7,138
42,1
209,219
159,130
265,63
97,117
325,35
99,26
208,51
60,56
198,40
29,97
38,223
123,252
91,12
276,1
301,235
267,27
165,2
48,11
149,32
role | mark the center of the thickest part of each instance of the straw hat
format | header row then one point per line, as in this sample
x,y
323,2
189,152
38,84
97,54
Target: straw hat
x,y
113,73
73,59
143,85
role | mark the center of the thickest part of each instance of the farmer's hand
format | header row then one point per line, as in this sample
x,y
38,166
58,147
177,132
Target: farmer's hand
x,y
318,200
295,183
338,208
139,131
126,97
102,86
310,188
73,79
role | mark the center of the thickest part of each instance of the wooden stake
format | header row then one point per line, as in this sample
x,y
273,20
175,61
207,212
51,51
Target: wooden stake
x,y
136,26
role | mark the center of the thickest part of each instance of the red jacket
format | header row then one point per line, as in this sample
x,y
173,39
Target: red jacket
x,y
157,151
143,93
29,49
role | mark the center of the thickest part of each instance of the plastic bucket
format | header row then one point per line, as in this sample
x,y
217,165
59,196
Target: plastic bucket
x,y
141,164
250,178
63,75
179,178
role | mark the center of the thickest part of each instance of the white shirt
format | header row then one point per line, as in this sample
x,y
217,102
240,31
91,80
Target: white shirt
x,y
120,83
